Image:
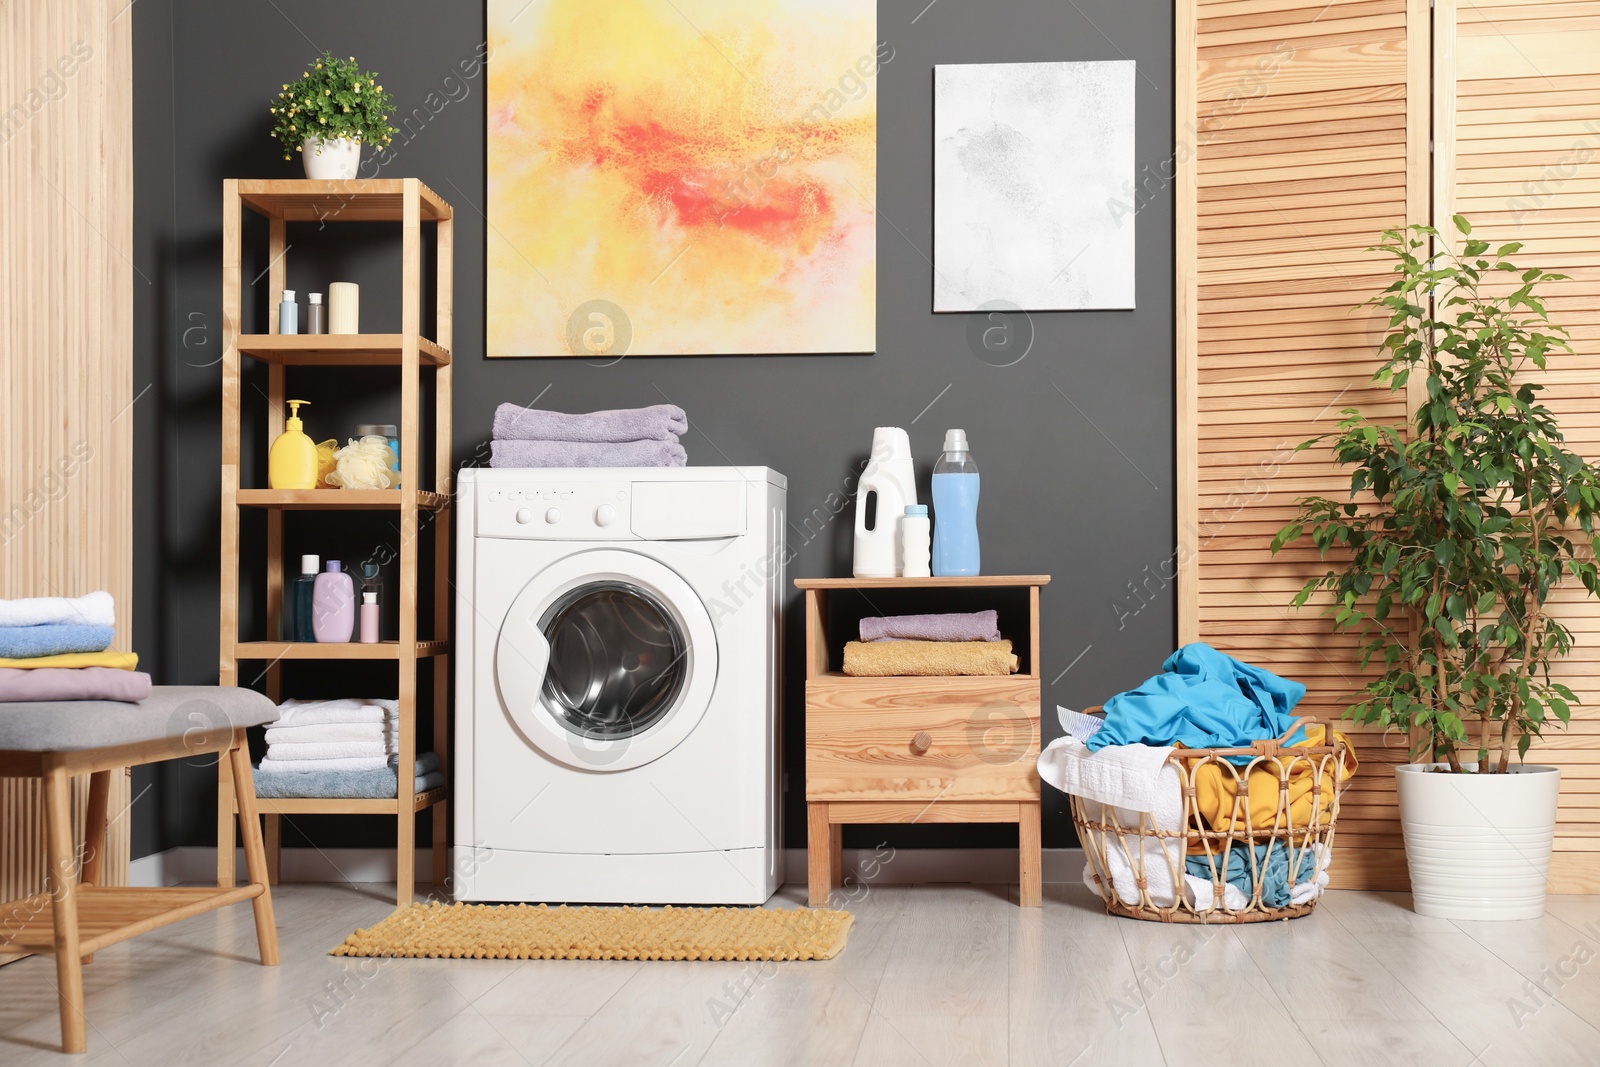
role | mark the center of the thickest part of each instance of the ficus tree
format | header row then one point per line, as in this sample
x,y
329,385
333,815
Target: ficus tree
x,y
1461,523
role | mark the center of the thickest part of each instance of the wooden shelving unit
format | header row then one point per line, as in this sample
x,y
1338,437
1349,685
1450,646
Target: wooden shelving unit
x,y
919,750
409,202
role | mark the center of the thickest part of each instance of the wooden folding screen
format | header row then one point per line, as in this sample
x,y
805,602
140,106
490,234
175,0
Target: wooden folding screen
x,y
1302,134
1517,132
66,344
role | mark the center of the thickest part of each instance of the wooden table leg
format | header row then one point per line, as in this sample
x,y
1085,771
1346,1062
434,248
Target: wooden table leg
x,y
255,857
274,846
819,855
1030,893
94,836
64,906
225,802
836,855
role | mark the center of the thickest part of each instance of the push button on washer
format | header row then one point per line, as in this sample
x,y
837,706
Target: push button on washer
x,y
553,516
524,516
605,515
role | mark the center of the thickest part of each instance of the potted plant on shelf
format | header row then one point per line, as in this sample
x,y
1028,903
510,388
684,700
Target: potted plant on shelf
x,y
328,114
1459,527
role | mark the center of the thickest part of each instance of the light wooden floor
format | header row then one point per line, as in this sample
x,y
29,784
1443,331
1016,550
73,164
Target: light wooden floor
x,y
932,975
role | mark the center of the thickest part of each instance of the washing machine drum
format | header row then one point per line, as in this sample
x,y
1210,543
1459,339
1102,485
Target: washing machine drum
x,y
606,660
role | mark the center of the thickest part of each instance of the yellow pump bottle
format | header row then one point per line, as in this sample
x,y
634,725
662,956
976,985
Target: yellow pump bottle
x,y
292,462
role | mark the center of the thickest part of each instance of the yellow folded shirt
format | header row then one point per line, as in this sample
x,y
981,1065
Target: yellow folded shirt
x,y
126,661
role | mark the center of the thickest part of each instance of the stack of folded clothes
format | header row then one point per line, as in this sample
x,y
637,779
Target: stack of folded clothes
x,y
56,648
929,646
632,437
338,748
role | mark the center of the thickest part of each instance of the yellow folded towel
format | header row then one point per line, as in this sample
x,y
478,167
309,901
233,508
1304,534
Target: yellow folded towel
x,y
927,659
126,661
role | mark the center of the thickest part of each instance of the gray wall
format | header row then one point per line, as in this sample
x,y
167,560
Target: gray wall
x,y
1075,441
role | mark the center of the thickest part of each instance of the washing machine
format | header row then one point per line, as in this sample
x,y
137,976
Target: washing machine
x,y
617,735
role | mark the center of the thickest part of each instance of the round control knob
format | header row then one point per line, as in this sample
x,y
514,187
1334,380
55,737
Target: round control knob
x,y
605,515
524,516
921,743
552,516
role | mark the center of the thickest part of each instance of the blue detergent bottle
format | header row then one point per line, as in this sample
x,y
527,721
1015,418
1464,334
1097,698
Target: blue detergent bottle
x,y
955,509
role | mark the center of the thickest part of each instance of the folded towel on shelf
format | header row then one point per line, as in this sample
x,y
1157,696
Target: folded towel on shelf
x,y
353,763
324,732
426,762
279,750
342,785
950,626
1123,775
122,661
376,784
54,639
93,609
927,659
519,453
340,710
659,422
82,683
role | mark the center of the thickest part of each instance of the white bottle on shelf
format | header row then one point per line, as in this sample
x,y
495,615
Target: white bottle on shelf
x,y
916,542
890,481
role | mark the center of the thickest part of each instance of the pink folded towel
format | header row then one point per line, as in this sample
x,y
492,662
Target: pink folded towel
x,y
972,626
73,683
660,422
587,454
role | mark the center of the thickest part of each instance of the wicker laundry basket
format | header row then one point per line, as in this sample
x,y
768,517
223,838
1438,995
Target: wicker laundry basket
x,y
1283,801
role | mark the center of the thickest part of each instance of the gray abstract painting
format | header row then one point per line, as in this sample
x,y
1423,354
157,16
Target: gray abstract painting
x,y
1032,162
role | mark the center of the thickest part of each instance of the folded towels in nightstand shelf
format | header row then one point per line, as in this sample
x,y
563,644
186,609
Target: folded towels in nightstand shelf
x,y
947,626
928,659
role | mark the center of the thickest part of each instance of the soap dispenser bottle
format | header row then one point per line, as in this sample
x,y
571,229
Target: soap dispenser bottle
x,y
333,605
292,463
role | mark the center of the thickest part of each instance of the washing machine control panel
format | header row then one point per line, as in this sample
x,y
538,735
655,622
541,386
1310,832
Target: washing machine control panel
x,y
595,511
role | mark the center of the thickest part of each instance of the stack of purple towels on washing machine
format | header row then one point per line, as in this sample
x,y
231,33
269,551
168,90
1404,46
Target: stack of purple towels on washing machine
x,y
629,437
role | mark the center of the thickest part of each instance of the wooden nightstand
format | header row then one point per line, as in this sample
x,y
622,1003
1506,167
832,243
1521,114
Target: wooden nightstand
x,y
919,750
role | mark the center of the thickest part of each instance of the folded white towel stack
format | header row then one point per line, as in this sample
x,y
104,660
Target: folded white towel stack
x,y
348,734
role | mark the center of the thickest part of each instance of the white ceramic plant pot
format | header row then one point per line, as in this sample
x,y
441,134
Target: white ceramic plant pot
x,y
335,160
1478,845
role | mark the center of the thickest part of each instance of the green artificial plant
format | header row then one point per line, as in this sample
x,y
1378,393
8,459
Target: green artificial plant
x,y
335,98
1460,524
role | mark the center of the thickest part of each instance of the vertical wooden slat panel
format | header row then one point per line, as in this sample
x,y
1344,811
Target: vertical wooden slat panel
x,y
66,328
1519,140
1309,126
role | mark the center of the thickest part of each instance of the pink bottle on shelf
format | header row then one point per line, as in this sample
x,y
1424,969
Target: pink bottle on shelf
x,y
369,618
333,605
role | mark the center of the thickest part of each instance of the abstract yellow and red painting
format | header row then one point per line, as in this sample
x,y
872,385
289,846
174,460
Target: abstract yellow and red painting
x,y
681,177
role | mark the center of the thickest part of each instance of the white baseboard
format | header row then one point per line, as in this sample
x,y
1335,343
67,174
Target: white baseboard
x,y
876,866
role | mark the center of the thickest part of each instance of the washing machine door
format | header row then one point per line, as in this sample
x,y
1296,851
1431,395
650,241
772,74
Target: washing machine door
x,y
606,660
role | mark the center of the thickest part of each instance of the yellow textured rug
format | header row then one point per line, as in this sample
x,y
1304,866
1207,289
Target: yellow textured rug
x,y
540,932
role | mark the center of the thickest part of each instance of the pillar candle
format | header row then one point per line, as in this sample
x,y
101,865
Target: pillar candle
x,y
344,307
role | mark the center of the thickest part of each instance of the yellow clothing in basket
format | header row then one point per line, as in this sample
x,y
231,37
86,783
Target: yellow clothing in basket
x,y
126,661
1216,787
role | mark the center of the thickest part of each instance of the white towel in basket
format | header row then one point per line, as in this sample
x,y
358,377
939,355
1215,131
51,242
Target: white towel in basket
x,y
1125,853
1123,775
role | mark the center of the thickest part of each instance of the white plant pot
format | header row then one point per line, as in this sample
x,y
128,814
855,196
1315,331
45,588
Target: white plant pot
x,y
336,160
1478,845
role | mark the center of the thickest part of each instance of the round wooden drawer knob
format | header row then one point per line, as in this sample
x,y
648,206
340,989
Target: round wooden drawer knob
x,y
921,743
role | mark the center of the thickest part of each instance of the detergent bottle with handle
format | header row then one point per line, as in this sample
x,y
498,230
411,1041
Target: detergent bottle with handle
x,y
889,483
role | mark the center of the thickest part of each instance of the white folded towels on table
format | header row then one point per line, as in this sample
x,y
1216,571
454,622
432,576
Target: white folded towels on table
x,y
347,734
93,609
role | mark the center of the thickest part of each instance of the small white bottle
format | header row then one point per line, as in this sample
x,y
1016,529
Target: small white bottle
x,y
916,542
288,314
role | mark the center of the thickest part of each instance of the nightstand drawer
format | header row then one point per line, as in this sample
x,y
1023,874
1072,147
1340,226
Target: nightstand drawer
x,y
962,739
